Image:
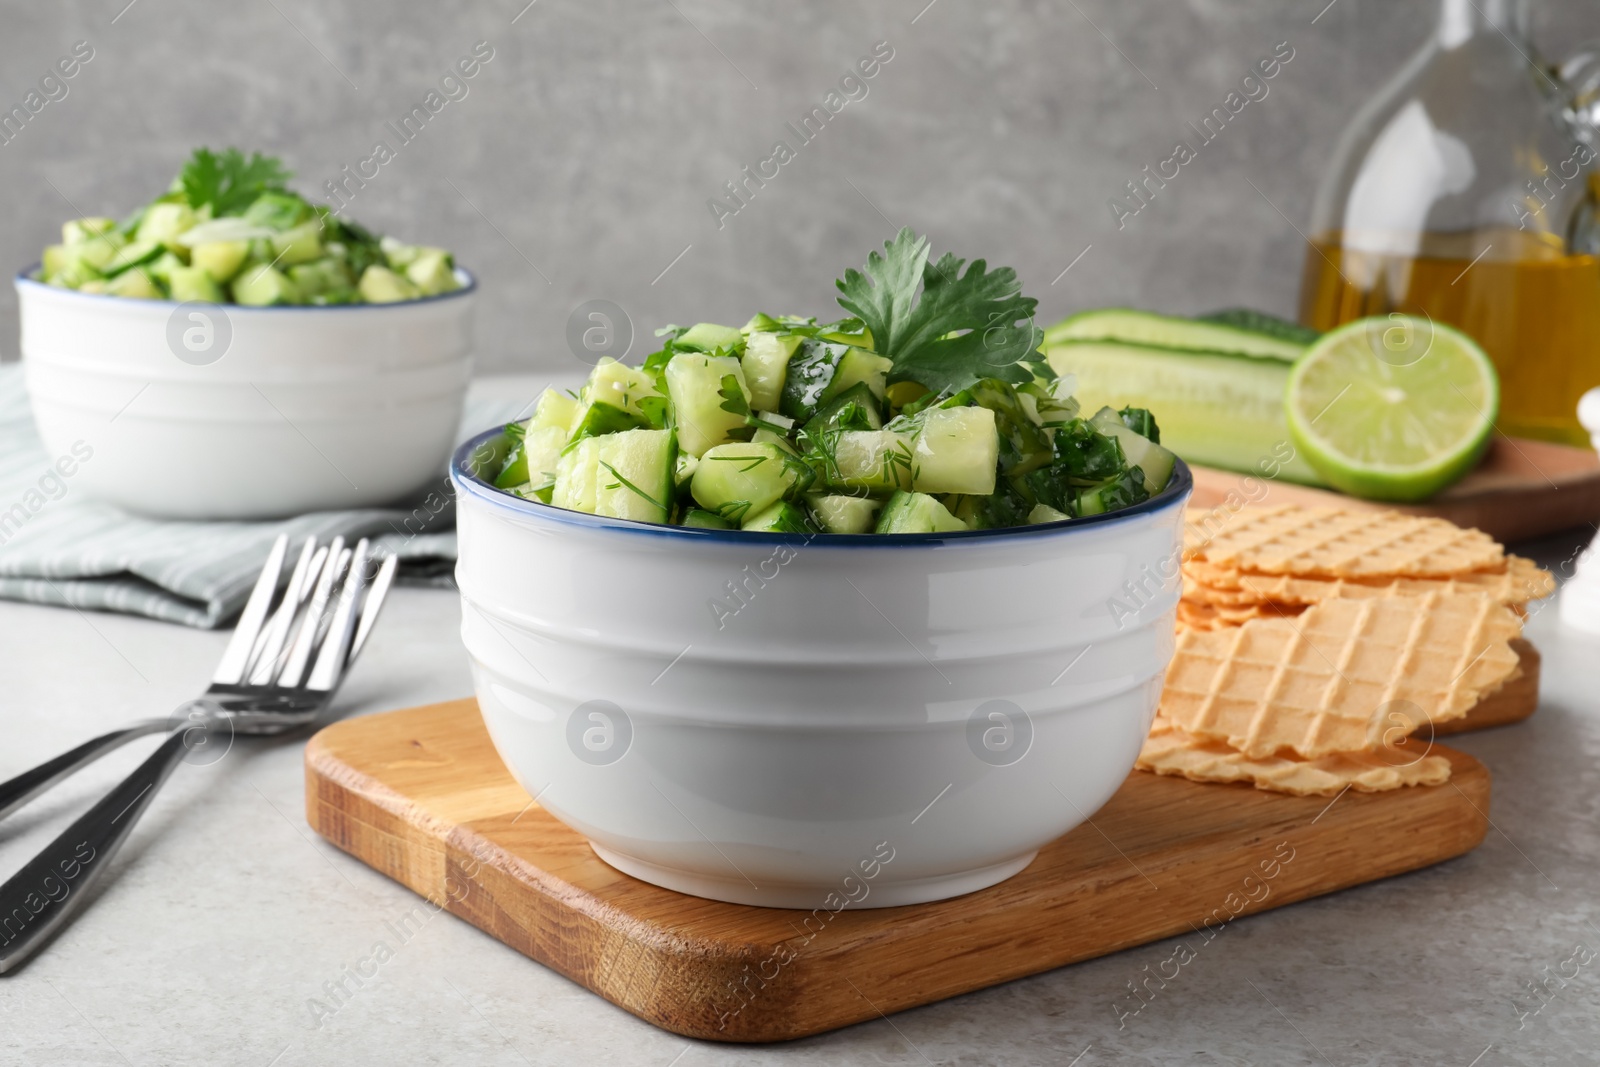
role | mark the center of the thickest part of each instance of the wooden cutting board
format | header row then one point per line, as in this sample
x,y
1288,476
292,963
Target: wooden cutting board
x,y
1523,489
421,796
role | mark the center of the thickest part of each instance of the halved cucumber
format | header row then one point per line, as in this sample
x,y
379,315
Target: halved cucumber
x,y
1169,331
916,513
766,363
695,382
633,479
845,514
737,480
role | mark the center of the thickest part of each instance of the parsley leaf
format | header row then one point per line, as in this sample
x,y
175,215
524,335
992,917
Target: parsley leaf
x,y
964,328
229,182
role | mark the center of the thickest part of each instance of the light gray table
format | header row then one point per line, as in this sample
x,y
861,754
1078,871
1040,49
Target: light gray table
x,y
227,916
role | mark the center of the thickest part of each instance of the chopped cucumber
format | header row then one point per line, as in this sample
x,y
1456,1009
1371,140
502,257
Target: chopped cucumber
x,y
299,245
278,211
739,480
193,283
766,362
701,519
1045,513
162,223
263,287
708,337
916,513
618,397
136,284
220,259
1167,331
433,273
79,231
576,476
820,370
872,460
782,517
1125,490
695,383
134,254
380,285
845,514
1138,450
1222,411
634,475
957,451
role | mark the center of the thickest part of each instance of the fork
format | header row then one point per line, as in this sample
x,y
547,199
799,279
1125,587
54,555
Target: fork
x,y
280,670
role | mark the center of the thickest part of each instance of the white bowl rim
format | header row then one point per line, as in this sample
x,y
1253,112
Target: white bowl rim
x,y
465,480
469,286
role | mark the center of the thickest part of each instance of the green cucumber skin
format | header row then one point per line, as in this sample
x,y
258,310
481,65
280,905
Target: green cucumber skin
x,y
1150,330
1214,409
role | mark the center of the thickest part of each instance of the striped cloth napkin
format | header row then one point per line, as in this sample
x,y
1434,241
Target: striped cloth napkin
x,y
57,546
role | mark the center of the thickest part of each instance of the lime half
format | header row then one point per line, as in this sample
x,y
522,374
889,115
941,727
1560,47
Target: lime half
x,y
1394,407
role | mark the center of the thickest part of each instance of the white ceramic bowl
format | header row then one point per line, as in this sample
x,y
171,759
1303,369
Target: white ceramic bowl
x,y
877,720
206,411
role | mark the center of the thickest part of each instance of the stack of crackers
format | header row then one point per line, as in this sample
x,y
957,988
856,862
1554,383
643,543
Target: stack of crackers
x,y
1314,643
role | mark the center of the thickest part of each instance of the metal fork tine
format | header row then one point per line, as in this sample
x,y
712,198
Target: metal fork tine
x,y
369,610
230,669
271,647
335,649
311,619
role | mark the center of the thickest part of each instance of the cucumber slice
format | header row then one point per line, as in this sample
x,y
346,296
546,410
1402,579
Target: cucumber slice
x,y
916,513
957,451
134,254
263,287
845,514
380,285
576,476
695,382
634,476
193,283
302,244
740,480
136,284
1169,331
708,337
873,460
782,517
1222,411
78,231
1139,451
766,363
1045,513
701,519
220,259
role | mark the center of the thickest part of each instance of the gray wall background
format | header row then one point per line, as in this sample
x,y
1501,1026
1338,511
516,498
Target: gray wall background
x,y
579,164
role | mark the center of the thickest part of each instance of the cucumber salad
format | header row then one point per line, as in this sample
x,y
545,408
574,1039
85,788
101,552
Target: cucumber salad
x,y
229,230
920,413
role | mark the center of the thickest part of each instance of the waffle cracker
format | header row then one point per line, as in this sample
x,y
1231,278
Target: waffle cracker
x,y
1169,750
1521,581
1332,543
1335,678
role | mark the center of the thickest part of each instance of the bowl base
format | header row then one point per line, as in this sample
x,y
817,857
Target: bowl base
x,y
883,894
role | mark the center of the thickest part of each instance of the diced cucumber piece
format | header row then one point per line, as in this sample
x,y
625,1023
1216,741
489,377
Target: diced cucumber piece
x,y
94,286
739,480
136,284
782,517
916,513
163,222
228,229
708,337
1125,490
162,266
957,451
380,285
75,275
819,370
845,514
683,471
56,258
854,409
555,409
310,279
397,253
1222,411
765,362
1045,513
1168,331
193,283
278,211
77,231
1139,451
874,460
134,254
701,519
618,397
302,244
634,479
695,382
95,255
263,286
576,476
431,272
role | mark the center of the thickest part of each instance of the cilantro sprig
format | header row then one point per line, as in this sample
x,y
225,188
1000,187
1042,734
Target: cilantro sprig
x,y
963,327
228,181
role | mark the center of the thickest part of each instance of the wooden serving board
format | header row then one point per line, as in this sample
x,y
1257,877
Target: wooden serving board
x,y
1523,489
421,796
